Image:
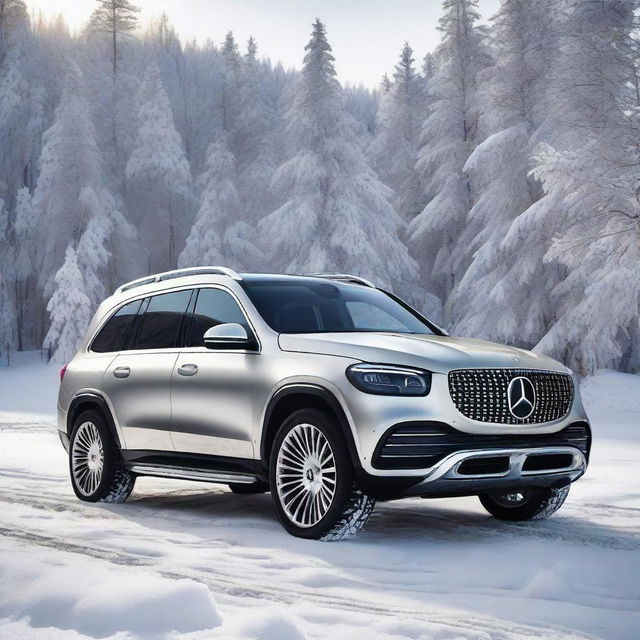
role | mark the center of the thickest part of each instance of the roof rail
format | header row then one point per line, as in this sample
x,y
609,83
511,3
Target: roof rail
x,y
343,277
178,273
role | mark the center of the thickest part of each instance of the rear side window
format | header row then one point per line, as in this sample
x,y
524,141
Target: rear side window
x,y
113,336
160,325
213,307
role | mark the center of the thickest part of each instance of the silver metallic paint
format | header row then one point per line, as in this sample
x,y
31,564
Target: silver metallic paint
x,y
221,409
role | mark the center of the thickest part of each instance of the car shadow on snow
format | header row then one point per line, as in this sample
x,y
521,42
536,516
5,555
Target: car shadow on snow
x,y
209,512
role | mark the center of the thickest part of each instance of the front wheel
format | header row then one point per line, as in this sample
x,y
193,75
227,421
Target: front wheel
x,y
314,490
95,463
532,503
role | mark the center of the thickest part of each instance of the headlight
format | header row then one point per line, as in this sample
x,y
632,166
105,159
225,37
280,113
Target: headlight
x,y
386,380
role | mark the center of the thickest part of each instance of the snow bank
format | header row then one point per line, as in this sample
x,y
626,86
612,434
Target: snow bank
x,y
51,590
29,385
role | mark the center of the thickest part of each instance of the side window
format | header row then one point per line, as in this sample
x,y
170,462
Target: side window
x,y
113,335
213,307
161,322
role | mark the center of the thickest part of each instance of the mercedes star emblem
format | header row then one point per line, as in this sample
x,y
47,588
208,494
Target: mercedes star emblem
x,y
521,397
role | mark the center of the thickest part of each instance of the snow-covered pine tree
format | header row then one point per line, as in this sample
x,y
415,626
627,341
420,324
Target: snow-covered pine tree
x,y
25,234
590,211
170,58
448,137
258,140
513,98
7,307
69,310
18,99
159,189
335,213
218,235
71,164
231,98
395,147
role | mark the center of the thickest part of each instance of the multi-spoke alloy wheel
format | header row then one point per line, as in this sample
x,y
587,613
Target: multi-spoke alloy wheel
x,y
98,473
313,484
87,458
306,475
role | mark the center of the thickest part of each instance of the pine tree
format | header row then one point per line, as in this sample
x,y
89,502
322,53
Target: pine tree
x,y
71,164
590,210
448,137
396,145
25,234
7,307
218,235
158,178
69,310
115,18
339,209
514,100
257,140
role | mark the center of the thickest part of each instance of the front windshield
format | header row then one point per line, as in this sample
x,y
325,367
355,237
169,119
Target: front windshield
x,y
309,306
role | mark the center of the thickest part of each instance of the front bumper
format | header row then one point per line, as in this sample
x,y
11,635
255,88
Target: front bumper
x,y
466,473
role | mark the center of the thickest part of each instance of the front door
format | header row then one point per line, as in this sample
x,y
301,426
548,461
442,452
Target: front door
x,y
213,390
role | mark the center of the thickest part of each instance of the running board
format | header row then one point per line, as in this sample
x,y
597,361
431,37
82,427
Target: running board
x,y
204,475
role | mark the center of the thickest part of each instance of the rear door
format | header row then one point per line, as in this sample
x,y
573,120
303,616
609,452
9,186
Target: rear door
x,y
138,382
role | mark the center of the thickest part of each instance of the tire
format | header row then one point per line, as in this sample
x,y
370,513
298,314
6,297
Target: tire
x,y
315,494
95,464
535,503
249,489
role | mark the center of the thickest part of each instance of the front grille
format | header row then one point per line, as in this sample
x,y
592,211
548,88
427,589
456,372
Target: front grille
x,y
420,445
481,394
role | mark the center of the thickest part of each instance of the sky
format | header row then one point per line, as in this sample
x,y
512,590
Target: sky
x,y
366,35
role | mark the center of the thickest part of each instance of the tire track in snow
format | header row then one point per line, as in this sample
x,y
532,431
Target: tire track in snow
x,y
555,529
496,629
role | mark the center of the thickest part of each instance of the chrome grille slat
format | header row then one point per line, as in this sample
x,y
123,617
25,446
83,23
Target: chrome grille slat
x,y
481,394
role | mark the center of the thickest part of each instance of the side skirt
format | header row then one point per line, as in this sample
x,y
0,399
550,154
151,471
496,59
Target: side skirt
x,y
192,466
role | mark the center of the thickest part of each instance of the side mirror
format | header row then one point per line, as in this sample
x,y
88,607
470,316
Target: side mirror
x,y
227,334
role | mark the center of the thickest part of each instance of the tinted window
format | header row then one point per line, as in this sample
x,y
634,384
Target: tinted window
x,y
213,307
160,325
314,306
113,335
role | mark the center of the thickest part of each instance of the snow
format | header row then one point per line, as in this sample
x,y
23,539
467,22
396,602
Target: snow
x,y
194,561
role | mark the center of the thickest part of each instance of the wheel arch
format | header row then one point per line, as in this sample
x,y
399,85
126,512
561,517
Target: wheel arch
x,y
296,396
91,401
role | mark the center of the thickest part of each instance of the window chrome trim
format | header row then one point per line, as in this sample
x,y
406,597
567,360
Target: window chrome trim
x,y
151,294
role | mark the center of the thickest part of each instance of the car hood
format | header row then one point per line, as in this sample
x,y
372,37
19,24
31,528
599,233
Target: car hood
x,y
435,353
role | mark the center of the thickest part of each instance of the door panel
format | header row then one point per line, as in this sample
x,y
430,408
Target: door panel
x,y
212,390
138,386
212,402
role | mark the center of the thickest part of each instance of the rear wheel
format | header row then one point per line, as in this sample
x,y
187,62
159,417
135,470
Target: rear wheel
x,y
313,485
95,464
532,503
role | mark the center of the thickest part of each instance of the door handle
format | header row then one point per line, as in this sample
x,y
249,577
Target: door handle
x,y
121,372
188,369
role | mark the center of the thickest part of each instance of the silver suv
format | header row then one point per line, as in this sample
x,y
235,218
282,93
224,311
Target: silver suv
x,y
324,390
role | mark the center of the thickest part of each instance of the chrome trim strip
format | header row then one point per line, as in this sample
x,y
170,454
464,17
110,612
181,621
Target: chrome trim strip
x,y
448,467
224,477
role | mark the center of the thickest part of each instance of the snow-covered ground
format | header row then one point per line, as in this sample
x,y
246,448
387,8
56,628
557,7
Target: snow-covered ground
x,y
194,561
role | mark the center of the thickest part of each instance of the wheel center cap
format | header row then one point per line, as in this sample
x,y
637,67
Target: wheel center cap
x,y
310,475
